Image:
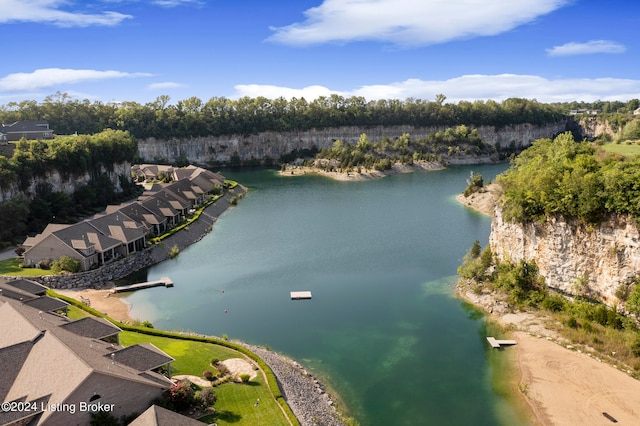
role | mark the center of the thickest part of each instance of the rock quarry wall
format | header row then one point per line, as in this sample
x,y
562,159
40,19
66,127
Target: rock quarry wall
x,y
592,127
273,145
66,184
573,257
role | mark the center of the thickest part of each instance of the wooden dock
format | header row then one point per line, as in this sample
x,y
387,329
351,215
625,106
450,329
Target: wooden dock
x,y
299,295
164,281
499,343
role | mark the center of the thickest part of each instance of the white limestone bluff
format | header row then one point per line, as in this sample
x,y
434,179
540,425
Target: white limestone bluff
x,y
574,258
273,145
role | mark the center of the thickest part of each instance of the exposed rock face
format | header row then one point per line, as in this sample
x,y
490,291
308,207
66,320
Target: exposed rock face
x,y
66,184
573,258
207,150
592,127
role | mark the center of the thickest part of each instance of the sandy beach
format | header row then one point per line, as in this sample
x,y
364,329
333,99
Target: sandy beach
x,y
482,201
103,301
561,385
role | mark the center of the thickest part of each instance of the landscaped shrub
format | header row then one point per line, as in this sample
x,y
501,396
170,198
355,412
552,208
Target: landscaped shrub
x,y
207,374
65,263
206,397
44,264
245,378
174,252
182,395
222,370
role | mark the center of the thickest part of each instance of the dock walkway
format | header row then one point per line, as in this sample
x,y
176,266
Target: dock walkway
x,y
499,343
164,281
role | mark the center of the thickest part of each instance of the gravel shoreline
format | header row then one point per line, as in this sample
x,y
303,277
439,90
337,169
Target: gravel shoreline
x,y
306,396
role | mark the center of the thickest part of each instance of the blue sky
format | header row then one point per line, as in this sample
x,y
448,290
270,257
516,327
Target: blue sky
x,y
137,50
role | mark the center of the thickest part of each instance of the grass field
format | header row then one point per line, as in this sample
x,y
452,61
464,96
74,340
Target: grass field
x,y
627,150
12,267
236,404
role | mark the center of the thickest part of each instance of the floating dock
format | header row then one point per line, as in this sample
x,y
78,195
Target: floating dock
x,y
499,343
299,295
164,281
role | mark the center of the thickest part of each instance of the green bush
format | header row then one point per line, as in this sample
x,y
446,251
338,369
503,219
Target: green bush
x,y
474,184
69,264
635,347
554,303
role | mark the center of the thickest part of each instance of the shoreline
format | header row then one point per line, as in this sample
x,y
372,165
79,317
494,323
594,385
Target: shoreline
x,y
366,174
305,394
560,384
482,201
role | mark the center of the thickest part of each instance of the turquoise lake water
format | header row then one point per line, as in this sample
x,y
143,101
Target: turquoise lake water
x,y
380,257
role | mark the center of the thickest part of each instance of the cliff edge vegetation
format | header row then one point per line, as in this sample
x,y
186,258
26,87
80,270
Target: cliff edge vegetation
x,y
571,179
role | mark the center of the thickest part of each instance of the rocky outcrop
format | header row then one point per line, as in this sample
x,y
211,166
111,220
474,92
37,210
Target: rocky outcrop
x,y
593,127
273,145
574,258
63,183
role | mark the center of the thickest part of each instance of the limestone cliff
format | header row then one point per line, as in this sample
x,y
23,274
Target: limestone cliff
x,y
61,183
593,127
273,145
573,257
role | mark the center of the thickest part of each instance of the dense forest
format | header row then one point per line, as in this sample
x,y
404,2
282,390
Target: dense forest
x,y
573,179
222,116
69,156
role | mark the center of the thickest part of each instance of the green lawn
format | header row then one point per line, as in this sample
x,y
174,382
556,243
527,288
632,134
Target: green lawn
x,y
236,402
628,150
11,267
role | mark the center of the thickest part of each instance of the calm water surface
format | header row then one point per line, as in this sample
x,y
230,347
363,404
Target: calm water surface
x,y
380,258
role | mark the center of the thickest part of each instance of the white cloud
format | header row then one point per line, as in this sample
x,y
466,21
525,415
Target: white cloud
x,y
164,85
410,22
588,48
51,77
50,11
470,87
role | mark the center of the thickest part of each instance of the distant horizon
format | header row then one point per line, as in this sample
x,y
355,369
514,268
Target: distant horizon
x,y
171,103
136,50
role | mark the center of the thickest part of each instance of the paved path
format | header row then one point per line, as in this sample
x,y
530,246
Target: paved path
x,y
7,253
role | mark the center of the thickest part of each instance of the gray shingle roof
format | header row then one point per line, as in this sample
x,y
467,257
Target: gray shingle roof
x,y
82,233
28,286
94,328
141,357
11,360
158,416
47,304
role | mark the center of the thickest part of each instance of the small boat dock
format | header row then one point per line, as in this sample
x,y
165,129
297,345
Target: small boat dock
x,y
164,281
300,295
497,344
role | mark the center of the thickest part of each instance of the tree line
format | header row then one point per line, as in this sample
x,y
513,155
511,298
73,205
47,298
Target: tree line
x,y
70,156
222,116
575,180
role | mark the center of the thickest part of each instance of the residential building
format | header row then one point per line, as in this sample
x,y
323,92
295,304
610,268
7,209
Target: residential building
x,y
64,369
122,229
28,129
